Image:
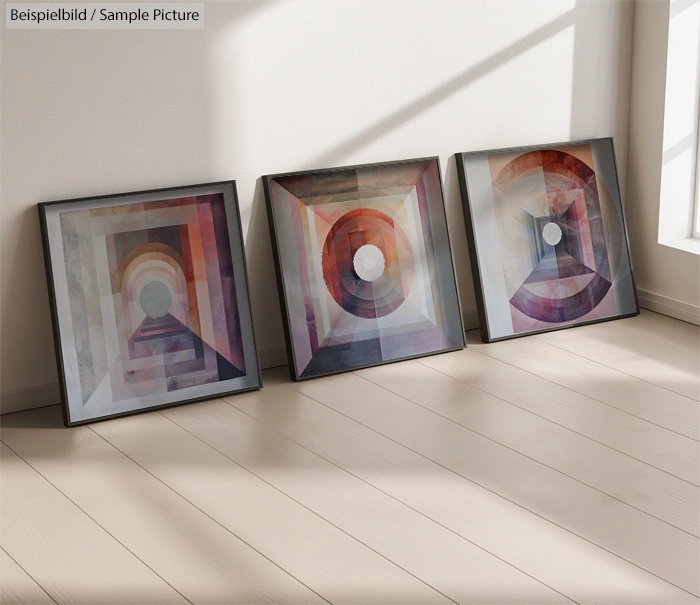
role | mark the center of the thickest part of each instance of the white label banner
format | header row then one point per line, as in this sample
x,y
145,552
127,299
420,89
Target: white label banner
x,y
104,15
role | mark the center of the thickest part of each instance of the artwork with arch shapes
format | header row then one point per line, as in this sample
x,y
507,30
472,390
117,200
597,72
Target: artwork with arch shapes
x,y
547,237
149,299
364,265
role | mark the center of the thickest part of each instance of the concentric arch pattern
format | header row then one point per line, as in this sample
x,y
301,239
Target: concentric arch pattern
x,y
365,265
572,206
547,240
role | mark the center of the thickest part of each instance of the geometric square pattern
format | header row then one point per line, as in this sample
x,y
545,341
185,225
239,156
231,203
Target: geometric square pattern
x,y
152,303
548,236
366,269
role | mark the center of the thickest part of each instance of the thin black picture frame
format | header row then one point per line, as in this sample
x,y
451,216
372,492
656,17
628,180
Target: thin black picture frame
x,y
282,290
474,254
167,192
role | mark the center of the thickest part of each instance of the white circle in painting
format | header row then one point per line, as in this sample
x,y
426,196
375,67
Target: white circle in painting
x,y
551,233
155,299
368,262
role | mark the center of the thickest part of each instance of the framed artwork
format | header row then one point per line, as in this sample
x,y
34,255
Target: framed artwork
x,y
547,237
149,299
364,265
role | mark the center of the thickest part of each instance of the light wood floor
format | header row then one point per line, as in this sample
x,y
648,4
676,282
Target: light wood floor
x,y
559,468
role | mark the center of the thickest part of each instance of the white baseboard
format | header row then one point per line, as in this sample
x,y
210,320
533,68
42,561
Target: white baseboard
x,y
668,306
27,399
48,394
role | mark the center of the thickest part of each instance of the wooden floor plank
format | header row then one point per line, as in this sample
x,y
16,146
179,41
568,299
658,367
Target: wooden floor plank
x,y
651,347
653,545
557,557
191,552
627,479
65,551
627,393
441,558
650,443
332,563
523,471
16,587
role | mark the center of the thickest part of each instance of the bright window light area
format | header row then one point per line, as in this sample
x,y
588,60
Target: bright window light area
x,y
679,216
696,222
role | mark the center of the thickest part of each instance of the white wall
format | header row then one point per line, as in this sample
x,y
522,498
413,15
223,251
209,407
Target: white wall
x,y
667,276
273,86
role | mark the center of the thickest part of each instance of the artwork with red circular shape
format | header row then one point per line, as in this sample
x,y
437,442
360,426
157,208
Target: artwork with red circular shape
x,y
361,297
579,219
550,247
365,265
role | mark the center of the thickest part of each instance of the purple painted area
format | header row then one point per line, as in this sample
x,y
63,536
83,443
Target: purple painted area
x,y
228,284
556,310
426,227
597,229
304,275
356,353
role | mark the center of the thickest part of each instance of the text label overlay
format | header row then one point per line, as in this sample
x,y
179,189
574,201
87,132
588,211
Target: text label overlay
x,y
104,15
